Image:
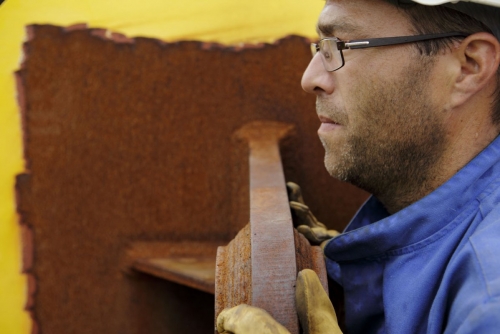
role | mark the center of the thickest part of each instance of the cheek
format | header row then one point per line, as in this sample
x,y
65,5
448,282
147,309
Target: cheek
x,y
369,91
377,111
349,94
360,102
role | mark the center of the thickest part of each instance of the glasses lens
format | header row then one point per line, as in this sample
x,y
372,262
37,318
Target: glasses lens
x,y
331,56
314,49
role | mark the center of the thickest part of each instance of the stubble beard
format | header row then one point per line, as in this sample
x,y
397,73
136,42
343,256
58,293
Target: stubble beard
x,y
393,147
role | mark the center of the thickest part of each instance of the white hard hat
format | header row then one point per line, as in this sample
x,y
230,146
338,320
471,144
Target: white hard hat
x,y
485,11
495,3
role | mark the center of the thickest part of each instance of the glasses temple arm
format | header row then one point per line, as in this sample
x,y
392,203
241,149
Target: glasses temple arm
x,y
373,42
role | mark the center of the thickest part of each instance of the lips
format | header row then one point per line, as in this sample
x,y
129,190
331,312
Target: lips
x,y
327,124
327,120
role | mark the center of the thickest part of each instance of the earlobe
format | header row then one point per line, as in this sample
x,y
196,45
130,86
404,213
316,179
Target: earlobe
x,y
479,57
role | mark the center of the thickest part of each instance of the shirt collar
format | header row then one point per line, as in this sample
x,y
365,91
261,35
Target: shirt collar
x,y
373,232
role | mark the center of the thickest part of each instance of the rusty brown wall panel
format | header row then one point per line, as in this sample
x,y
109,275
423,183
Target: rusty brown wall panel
x,y
133,140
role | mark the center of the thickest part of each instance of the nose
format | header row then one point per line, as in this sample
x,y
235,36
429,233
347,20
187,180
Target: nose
x,y
316,79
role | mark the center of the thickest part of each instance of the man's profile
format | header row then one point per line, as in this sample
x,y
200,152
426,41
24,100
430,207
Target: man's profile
x,y
408,96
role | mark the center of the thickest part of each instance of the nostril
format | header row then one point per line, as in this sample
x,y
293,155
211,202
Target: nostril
x,y
318,90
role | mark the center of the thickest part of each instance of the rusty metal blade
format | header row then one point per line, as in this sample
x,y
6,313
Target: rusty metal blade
x,y
273,251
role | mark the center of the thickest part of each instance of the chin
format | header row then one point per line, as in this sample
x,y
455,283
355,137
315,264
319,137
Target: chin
x,y
331,166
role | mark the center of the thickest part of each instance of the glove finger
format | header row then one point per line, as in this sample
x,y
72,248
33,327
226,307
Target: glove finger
x,y
323,234
224,324
301,213
315,311
304,215
332,233
237,319
313,221
246,319
299,207
313,236
294,192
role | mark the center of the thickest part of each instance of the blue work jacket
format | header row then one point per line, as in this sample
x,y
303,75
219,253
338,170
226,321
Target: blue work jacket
x,y
433,267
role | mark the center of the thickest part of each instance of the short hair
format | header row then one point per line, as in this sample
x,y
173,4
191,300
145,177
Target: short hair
x,y
437,19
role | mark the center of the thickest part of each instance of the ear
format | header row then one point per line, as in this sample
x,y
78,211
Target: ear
x,y
479,58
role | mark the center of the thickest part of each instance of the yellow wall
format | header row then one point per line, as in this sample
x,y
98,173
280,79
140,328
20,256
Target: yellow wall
x,y
224,21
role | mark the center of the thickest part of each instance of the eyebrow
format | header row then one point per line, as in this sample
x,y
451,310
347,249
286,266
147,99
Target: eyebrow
x,y
330,29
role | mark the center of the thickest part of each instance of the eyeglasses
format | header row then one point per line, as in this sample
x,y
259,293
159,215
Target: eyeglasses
x,y
330,48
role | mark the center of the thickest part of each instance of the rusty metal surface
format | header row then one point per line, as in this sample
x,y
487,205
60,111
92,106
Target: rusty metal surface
x,y
233,273
259,267
189,263
233,279
310,257
195,272
272,244
131,140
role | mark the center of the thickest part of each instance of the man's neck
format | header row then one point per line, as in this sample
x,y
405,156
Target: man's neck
x,y
465,141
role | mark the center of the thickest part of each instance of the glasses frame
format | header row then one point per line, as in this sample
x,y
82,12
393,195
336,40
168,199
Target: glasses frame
x,y
376,42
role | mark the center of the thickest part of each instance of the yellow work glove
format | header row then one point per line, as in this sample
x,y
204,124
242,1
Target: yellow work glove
x,y
306,223
246,319
316,313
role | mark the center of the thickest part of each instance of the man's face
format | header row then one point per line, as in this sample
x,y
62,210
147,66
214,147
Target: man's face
x,y
380,126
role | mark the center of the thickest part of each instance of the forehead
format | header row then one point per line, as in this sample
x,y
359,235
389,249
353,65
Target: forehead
x,y
362,18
